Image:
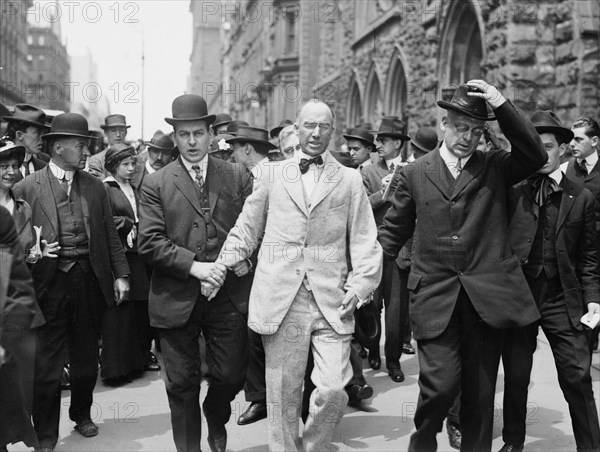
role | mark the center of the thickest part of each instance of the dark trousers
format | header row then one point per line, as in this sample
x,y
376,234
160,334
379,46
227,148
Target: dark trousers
x,y
467,353
393,294
225,334
255,387
72,307
571,355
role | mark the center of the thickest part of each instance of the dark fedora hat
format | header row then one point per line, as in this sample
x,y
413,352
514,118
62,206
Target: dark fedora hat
x,y
367,324
68,125
425,139
115,120
546,121
190,107
253,135
274,133
28,114
10,149
472,106
221,119
233,126
361,134
393,127
160,141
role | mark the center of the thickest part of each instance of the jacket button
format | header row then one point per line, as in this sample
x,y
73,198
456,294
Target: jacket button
x,y
454,237
460,273
195,224
524,261
198,247
297,272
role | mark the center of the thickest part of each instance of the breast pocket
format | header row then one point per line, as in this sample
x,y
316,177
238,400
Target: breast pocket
x,y
414,280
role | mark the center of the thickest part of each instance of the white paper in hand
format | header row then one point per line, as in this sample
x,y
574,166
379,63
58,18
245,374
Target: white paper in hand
x,y
593,322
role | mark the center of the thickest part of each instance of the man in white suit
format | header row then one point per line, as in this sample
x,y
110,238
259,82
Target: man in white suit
x,y
319,257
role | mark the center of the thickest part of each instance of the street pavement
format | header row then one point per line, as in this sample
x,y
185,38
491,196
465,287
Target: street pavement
x,y
136,417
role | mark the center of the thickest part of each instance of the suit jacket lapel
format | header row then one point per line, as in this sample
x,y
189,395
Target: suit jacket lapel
x,y
294,187
43,192
471,170
330,177
214,178
183,181
530,199
84,192
566,203
433,166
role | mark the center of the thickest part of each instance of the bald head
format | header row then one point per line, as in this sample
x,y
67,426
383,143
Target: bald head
x,y
314,126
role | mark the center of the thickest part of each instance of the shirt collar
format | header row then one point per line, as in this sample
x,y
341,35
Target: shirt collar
x,y
149,167
450,159
60,173
257,169
590,161
203,164
557,176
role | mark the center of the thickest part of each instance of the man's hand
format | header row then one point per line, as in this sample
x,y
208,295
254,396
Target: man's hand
x,y
50,249
121,287
593,308
210,272
487,92
347,307
241,268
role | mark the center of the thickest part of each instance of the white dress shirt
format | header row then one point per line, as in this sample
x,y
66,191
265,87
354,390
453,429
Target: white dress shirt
x,y
152,170
451,160
311,177
590,161
203,164
61,174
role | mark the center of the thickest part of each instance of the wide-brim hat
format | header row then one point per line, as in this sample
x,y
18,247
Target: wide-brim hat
x,y
68,125
361,134
425,139
233,126
28,114
393,127
274,132
115,120
221,119
546,121
160,140
190,107
10,149
220,144
472,106
253,135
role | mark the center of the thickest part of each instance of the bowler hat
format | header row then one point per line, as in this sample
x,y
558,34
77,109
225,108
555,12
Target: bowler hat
x,y
69,125
253,135
425,139
546,121
219,143
361,134
190,107
114,121
274,133
367,325
393,127
233,126
28,114
472,106
160,141
10,149
221,119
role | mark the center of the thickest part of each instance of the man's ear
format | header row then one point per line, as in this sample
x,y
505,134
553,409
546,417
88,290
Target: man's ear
x,y
443,124
594,141
562,149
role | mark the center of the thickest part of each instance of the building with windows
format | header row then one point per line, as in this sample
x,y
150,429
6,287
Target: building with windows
x,y
369,58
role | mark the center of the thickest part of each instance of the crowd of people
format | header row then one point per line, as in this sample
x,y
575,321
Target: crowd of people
x,y
282,255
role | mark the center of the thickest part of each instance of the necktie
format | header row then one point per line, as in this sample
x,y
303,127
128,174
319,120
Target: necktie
x,y
26,165
456,169
305,163
391,167
198,179
583,167
543,186
64,183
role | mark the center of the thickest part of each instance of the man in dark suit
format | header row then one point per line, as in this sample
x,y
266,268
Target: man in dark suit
x,y
160,151
465,284
392,292
186,212
72,209
552,231
25,127
585,169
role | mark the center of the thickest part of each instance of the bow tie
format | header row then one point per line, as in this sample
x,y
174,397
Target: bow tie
x,y
305,163
544,186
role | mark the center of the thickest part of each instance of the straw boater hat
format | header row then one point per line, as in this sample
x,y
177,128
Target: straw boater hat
x,y
546,121
29,115
253,135
114,121
472,106
190,107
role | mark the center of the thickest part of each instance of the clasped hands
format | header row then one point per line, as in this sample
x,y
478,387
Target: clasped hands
x,y
212,275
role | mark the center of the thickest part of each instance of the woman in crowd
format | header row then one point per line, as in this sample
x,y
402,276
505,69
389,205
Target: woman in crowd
x,y
126,327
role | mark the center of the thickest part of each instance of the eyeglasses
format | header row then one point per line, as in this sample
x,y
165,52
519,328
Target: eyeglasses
x,y
291,149
324,127
464,128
